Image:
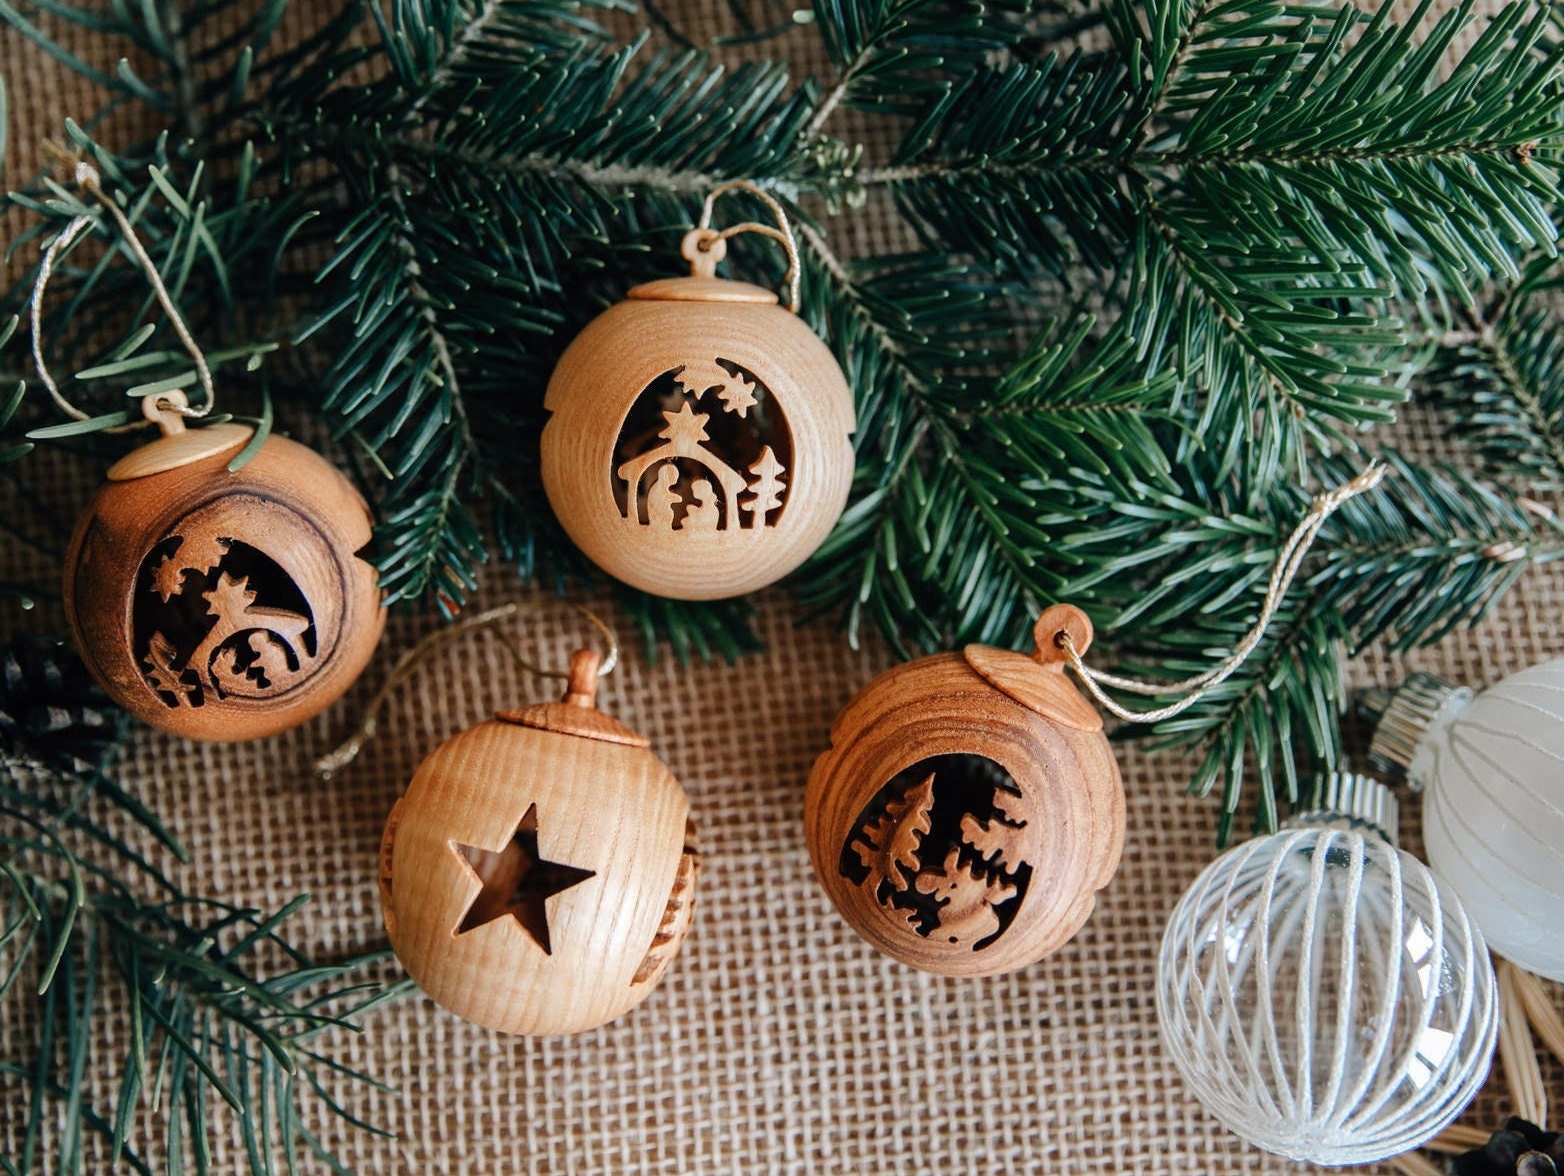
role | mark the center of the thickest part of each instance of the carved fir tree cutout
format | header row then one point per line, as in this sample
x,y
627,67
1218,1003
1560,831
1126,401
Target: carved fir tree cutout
x,y
889,847
992,838
516,881
704,449
966,898
942,846
217,618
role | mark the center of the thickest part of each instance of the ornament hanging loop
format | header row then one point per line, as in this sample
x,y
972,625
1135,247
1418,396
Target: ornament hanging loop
x,y
1288,562
704,246
162,410
586,667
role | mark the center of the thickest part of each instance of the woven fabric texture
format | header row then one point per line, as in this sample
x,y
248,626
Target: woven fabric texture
x,y
780,1042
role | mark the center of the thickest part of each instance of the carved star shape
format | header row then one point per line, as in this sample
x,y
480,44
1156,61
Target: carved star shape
x,y
686,428
516,881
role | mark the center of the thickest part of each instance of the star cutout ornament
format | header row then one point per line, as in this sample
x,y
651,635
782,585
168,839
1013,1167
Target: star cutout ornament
x,y
516,881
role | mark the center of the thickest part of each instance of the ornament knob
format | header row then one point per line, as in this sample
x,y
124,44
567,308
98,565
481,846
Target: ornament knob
x,y
703,249
1057,623
582,688
1403,716
1347,800
163,410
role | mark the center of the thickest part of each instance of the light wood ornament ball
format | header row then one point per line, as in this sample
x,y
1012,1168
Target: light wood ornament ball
x,y
969,807
698,446
538,876
223,605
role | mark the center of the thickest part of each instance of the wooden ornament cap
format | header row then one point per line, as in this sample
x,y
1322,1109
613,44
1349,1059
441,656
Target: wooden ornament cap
x,y
703,250
698,439
1038,681
539,875
966,812
223,605
578,714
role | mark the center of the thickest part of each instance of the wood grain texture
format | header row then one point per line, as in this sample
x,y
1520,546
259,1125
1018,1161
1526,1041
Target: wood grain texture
x,y
958,829
713,511
218,605
561,957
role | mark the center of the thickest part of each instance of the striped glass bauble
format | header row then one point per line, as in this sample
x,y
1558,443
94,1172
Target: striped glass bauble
x,y
1493,813
1492,774
1324,997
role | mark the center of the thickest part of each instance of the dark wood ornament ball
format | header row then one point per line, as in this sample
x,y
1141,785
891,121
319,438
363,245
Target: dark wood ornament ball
x,y
219,605
697,446
539,875
969,807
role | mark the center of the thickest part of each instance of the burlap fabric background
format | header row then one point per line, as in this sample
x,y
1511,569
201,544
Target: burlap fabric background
x,y
780,1043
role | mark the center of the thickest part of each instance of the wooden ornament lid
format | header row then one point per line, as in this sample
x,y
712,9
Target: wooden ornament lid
x,y
1037,681
178,446
703,250
578,713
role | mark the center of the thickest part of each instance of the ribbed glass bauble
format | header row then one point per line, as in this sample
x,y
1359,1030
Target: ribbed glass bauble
x,y
1492,774
1324,997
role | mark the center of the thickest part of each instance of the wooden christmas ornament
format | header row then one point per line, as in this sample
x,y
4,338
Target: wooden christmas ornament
x,y
222,605
969,807
698,443
539,875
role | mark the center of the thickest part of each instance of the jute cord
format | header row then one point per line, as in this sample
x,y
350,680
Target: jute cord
x,y
90,181
782,233
1288,562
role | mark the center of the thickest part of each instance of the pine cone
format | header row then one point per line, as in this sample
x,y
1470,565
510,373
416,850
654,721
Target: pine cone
x,y
1520,1149
50,707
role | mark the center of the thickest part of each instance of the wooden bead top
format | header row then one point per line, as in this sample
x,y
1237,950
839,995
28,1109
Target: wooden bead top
x,y
180,449
703,250
578,713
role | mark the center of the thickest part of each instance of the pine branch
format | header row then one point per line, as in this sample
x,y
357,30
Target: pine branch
x,y
1025,163
212,999
893,55
1503,386
1429,553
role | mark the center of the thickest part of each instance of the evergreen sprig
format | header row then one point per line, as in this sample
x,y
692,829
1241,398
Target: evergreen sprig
x,y
1502,383
1281,214
212,1001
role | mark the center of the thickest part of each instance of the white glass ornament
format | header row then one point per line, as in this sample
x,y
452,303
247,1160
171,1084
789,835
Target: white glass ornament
x,y
1491,769
1320,992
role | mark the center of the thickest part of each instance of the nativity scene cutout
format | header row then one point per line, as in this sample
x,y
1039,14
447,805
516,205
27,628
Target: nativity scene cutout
x,y
704,448
215,618
943,846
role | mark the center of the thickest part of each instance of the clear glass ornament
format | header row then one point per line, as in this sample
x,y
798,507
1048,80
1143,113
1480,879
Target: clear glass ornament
x,y
1324,997
1491,769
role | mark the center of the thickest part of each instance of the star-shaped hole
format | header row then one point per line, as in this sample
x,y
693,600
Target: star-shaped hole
x,y
516,881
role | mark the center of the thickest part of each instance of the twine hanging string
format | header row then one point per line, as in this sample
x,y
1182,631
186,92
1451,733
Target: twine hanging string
x,y
1288,561
781,233
90,181
423,652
